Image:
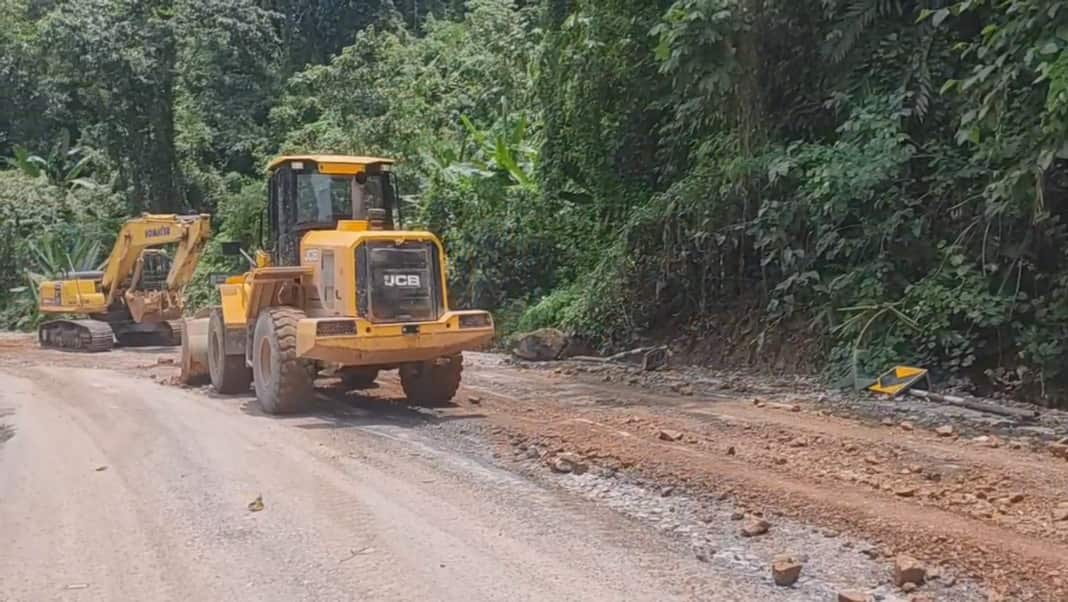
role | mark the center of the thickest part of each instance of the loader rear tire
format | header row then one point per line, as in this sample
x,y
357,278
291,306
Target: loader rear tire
x,y
432,383
284,381
229,373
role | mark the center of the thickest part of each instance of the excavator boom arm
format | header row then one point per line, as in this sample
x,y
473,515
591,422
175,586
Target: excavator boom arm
x,y
187,256
190,232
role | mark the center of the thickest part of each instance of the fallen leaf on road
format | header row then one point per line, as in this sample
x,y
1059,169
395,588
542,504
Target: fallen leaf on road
x,y
256,505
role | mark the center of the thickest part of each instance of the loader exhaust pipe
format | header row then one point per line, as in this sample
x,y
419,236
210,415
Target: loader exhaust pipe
x,y
376,218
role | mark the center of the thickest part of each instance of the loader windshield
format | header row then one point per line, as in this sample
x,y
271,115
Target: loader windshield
x,y
323,199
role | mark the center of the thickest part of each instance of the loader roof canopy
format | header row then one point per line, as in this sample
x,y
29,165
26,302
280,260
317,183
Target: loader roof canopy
x,y
333,164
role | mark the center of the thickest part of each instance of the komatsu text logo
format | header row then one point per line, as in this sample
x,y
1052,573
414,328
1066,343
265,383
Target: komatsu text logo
x,y
157,232
406,280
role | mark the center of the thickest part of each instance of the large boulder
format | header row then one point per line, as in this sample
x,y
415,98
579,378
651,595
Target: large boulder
x,y
542,345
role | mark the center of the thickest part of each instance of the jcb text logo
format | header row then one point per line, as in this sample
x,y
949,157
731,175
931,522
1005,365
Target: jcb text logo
x,y
157,232
409,280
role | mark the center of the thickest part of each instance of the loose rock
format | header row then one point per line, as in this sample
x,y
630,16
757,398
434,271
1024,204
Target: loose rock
x,y
945,431
1059,450
905,491
540,345
906,426
669,435
854,596
565,463
785,571
755,527
1060,515
908,570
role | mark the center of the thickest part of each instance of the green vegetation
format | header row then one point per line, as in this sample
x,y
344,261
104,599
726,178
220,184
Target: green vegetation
x,y
890,176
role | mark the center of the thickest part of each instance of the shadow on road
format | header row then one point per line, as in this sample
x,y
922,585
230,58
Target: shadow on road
x,y
338,408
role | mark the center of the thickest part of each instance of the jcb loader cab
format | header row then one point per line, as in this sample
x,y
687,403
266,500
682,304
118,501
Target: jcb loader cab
x,y
337,286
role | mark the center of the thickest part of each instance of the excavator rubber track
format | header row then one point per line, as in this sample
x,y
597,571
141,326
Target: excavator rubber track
x,y
177,331
90,336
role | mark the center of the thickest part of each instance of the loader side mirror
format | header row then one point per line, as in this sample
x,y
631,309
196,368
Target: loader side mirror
x,y
231,248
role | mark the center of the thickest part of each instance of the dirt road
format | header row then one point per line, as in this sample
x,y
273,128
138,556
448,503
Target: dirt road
x,y
118,488
574,484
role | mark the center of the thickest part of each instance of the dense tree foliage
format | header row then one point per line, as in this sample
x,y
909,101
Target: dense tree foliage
x,y
889,177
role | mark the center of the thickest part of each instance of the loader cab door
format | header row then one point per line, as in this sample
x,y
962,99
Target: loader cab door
x,y
304,198
284,240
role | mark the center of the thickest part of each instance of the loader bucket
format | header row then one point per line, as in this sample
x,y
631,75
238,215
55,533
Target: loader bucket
x,y
195,352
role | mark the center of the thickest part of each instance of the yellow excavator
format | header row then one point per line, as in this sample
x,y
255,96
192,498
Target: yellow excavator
x,y
339,287
138,296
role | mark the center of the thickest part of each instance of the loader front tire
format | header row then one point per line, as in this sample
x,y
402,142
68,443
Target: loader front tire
x,y
432,383
284,381
229,373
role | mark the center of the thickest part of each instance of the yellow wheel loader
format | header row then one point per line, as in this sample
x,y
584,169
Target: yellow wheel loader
x,y
339,288
138,296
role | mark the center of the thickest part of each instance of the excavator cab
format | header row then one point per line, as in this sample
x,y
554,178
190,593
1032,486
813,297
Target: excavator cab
x,y
151,272
339,286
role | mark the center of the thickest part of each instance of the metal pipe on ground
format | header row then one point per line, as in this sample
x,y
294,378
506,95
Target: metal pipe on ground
x,y
978,406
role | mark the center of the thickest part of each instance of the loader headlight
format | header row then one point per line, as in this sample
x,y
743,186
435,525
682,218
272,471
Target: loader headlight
x,y
335,328
475,321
